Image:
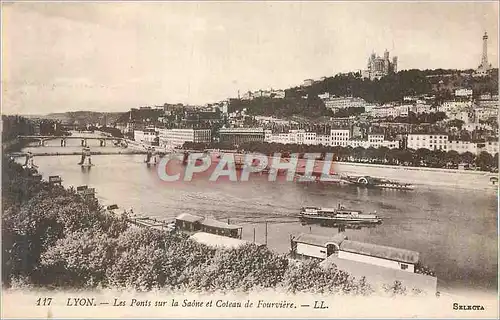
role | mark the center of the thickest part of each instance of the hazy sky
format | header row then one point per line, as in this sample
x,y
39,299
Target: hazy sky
x,y
114,56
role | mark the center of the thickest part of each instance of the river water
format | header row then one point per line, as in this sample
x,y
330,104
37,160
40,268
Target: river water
x,y
455,230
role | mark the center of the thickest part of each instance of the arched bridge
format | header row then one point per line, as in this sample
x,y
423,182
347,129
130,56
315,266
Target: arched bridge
x,y
84,139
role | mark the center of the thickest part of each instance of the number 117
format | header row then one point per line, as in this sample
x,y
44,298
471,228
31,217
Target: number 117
x,y
43,302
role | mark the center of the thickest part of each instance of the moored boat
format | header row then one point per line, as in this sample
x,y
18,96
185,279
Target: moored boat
x,y
371,182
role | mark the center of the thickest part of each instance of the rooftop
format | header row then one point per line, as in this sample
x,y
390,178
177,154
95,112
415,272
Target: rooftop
x,y
378,276
318,240
189,217
213,240
379,251
219,224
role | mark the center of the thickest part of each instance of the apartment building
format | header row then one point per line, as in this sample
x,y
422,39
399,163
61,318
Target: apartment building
x,y
340,137
431,141
171,138
238,136
461,146
147,136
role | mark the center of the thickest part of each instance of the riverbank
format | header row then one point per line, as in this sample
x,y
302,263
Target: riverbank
x,y
418,176
423,177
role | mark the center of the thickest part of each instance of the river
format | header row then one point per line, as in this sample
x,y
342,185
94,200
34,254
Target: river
x,y
455,230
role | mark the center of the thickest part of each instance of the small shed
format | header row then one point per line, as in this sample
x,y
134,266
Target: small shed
x,y
375,254
80,189
55,180
188,222
315,246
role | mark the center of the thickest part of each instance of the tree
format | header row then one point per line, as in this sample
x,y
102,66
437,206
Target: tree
x,y
455,123
467,157
484,161
78,260
453,157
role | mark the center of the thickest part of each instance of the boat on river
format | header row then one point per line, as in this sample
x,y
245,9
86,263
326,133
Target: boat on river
x,y
378,183
335,216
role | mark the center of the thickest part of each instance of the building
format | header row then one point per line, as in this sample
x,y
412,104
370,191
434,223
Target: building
x,y
484,67
146,136
323,139
188,222
276,94
421,108
373,142
306,245
461,146
308,82
379,67
488,101
463,93
337,103
340,137
191,223
431,141
463,115
379,277
237,136
172,138
389,110
221,228
484,113
490,146
448,106
324,96
383,256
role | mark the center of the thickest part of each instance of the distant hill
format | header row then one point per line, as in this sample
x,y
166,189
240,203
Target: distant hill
x,y
84,117
303,100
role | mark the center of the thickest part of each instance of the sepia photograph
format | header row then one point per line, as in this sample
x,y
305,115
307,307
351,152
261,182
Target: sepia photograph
x,y
249,159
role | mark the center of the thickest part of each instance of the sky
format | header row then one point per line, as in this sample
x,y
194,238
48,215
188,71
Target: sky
x,y
59,57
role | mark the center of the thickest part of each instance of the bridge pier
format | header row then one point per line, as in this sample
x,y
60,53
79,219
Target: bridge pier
x,y
102,142
84,143
63,142
41,143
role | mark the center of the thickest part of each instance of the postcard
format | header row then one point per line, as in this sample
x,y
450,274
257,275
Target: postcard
x,y
240,159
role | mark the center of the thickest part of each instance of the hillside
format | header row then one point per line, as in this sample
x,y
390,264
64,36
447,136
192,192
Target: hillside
x,y
84,117
304,101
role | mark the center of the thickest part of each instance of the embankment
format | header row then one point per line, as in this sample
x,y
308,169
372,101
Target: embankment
x,y
421,176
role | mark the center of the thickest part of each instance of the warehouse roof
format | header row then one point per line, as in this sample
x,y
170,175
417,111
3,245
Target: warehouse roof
x,y
218,224
189,217
213,240
318,240
379,251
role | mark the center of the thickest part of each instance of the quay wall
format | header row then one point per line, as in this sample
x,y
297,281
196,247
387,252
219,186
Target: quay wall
x,y
418,176
464,179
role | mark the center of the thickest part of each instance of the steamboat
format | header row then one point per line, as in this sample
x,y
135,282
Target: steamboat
x,y
336,216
